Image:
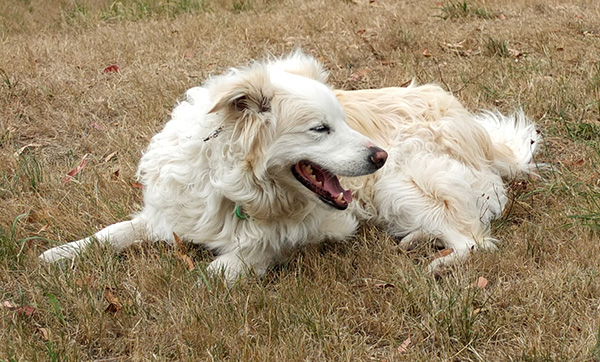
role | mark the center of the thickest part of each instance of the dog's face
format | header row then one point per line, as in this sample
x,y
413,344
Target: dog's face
x,y
291,128
315,142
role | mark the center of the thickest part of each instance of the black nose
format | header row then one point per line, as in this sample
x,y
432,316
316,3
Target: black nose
x,y
378,156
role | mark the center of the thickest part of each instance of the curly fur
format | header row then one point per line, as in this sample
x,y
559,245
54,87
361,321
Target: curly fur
x,y
232,142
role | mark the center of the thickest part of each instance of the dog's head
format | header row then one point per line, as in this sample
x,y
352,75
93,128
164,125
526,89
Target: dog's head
x,y
288,130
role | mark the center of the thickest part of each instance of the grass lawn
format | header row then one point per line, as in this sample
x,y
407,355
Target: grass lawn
x,y
64,107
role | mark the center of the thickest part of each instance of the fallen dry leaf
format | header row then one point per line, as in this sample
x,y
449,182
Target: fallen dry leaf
x,y
110,156
442,253
44,228
454,46
404,346
481,282
136,185
21,310
25,310
97,126
180,253
578,162
185,259
112,69
85,281
26,147
178,241
76,170
44,333
515,53
358,75
8,304
368,282
114,305
425,52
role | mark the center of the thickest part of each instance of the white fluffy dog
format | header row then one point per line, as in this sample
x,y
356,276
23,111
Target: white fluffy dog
x,y
248,168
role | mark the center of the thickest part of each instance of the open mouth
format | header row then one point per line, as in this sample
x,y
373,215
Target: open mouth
x,y
323,183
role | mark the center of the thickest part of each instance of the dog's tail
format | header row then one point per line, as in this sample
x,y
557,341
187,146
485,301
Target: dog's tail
x,y
515,142
119,235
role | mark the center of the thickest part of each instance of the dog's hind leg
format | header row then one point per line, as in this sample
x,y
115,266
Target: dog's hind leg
x,y
461,247
441,199
119,235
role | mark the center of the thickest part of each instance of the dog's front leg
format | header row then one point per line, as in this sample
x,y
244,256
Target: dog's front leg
x,y
239,262
337,226
119,235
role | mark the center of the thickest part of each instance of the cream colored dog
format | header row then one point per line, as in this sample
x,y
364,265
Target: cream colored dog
x,y
248,167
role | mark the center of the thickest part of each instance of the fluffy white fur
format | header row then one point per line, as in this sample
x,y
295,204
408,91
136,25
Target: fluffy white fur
x,y
235,141
444,178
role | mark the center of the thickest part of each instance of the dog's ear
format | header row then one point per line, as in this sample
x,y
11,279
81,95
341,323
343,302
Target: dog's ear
x,y
302,64
244,91
242,99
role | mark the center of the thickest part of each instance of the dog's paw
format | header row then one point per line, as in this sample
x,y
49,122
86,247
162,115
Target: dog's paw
x,y
232,267
446,258
488,244
411,240
57,253
228,266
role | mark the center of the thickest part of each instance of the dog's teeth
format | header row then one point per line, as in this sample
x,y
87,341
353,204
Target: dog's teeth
x,y
320,184
313,176
309,169
340,197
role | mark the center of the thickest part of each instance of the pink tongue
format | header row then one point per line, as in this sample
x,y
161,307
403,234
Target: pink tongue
x,y
333,186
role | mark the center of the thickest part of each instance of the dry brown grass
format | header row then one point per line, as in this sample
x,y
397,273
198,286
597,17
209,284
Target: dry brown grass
x,y
359,300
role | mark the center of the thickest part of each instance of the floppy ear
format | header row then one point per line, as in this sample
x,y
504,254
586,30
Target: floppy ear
x,y
245,90
242,99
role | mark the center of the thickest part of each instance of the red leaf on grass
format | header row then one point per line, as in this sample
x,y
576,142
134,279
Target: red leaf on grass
x,y
76,170
112,69
136,185
25,310
21,310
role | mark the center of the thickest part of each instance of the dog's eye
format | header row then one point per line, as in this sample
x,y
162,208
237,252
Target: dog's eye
x,y
321,128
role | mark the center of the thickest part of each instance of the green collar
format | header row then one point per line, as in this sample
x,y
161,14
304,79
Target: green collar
x,y
239,212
